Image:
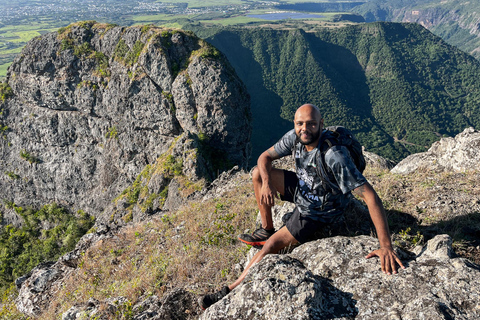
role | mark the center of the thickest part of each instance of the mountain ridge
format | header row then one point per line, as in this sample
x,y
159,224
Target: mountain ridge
x,y
335,280
388,82
455,21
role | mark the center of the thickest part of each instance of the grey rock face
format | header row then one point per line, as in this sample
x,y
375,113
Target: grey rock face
x,y
94,104
174,306
278,288
461,153
374,160
330,278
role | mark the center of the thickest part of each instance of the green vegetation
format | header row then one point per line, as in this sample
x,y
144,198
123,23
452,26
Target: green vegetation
x,y
454,21
82,50
139,194
195,246
112,133
121,50
147,257
12,175
207,51
25,247
133,54
397,86
5,91
102,64
29,157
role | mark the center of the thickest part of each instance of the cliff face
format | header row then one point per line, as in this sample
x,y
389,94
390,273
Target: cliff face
x,y
94,104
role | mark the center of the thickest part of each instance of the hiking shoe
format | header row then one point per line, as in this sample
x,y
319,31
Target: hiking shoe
x,y
209,299
257,238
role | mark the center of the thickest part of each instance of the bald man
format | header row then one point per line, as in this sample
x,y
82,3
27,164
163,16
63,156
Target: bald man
x,y
316,207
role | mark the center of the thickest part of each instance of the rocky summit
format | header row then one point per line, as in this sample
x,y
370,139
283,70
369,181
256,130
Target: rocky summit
x,y
92,105
331,279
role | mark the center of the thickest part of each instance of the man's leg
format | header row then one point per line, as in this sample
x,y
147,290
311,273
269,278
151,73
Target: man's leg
x,y
280,240
278,181
259,236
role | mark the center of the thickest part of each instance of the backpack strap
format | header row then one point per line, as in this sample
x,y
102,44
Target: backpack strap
x,y
322,169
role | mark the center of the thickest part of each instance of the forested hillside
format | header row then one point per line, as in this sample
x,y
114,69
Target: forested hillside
x,y
455,21
397,86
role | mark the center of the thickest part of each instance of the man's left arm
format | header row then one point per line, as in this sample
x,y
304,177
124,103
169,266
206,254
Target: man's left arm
x,y
388,257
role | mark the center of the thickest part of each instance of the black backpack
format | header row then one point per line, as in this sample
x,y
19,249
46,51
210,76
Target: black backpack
x,y
337,135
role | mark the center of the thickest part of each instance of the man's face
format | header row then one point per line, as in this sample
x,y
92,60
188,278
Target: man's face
x,y
308,126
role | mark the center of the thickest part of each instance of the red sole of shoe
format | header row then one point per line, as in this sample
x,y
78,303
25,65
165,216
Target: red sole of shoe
x,y
253,243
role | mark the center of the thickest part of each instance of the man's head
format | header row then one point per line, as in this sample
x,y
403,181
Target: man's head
x,y
308,124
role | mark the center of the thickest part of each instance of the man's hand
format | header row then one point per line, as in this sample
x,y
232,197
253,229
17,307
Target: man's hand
x,y
388,260
388,257
268,195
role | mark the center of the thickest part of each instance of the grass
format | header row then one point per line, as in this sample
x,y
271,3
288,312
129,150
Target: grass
x,y
426,203
186,249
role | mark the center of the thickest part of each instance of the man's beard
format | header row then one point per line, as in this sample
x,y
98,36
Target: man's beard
x,y
313,136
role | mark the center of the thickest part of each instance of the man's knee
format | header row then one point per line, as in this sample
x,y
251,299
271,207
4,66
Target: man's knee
x,y
272,246
256,174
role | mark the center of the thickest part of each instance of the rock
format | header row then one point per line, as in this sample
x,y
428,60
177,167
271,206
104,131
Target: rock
x,y
330,278
31,298
376,161
459,154
279,287
35,288
175,305
93,105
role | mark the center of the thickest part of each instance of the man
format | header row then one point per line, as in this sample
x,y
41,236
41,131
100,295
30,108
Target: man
x,y
317,206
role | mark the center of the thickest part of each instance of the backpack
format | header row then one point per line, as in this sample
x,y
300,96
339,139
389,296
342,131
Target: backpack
x,y
342,136
337,135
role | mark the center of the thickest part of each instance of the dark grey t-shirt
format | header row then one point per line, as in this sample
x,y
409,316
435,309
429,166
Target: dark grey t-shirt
x,y
310,197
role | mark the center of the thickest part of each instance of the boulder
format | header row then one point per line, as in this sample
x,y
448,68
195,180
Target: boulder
x,y
461,153
331,279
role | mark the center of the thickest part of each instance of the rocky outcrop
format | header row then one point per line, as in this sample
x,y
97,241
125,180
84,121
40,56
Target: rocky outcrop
x,y
461,153
174,306
37,287
375,161
94,104
330,278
